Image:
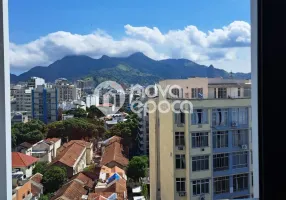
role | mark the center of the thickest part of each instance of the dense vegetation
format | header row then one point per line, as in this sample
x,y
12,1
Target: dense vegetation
x,y
137,167
54,178
32,131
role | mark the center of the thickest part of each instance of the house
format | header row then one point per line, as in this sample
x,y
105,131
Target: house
x,y
46,150
23,163
74,156
78,186
111,182
72,190
113,154
21,189
25,148
36,185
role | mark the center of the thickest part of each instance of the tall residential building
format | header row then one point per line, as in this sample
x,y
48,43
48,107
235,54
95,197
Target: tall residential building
x,y
24,101
33,82
45,104
67,92
206,154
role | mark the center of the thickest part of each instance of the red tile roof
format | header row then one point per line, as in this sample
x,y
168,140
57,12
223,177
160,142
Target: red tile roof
x,y
73,190
22,160
112,140
114,152
85,180
69,154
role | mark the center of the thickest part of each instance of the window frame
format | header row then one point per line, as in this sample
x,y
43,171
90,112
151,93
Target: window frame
x,y
220,157
181,158
181,182
197,137
205,181
199,161
221,179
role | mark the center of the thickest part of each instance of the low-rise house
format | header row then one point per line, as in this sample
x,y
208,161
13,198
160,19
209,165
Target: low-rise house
x,y
112,181
19,117
36,185
78,186
74,156
114,154
21,189
46,150
25,148
72,190
23,163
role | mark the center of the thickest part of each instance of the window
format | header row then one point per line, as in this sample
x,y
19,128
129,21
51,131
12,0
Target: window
x,y
221,162
239,137
240,182
234,115
220,117
200,163
179,138
197,93
28,192
247,92
180,118
200,187
200,140
175,92
221,185
221,93
243,116
240,159
180,184
23,196
238,92
200,116
180,162
220,139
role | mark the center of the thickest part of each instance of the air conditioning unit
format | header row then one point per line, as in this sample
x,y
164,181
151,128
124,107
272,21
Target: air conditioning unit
x,y
202,197
180,148
234,124
182,194
244,146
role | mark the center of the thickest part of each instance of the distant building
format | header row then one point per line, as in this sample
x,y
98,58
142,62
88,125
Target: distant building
x,y
19,117
24,101
67,92
34,82
37,187
21,189
67,116
90,100
45,104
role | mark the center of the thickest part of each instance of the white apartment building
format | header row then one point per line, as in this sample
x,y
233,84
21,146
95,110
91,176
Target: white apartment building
x,y
33,82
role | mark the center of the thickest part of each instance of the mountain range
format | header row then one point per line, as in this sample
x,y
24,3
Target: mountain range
x,y
136,68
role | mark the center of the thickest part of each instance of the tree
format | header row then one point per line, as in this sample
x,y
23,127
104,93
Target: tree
x,y
73,129
32,131
145,192
45,196
78,112
93,112
40,167
137,167
60,114
54,178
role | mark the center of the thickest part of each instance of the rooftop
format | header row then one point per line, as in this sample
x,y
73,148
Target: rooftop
x,y
73,190
83,179
114,153
22,160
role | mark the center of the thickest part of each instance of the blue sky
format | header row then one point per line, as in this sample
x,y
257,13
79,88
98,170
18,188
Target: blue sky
x,y
34,19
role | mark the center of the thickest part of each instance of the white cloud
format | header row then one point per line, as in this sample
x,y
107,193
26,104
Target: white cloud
x,y
217,46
